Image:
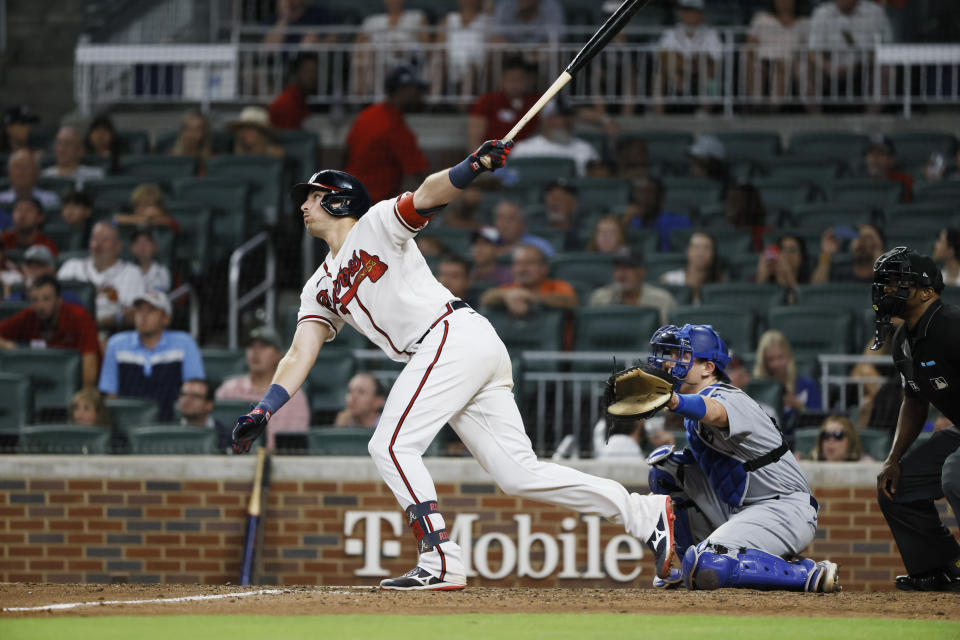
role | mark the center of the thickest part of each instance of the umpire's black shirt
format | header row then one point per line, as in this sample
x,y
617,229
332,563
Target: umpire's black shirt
x,y
928,358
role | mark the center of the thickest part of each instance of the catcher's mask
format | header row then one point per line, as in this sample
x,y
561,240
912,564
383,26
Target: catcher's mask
x,y
341,187
689,341
897,276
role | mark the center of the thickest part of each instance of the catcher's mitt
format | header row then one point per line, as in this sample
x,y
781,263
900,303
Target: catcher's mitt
x,y
638,392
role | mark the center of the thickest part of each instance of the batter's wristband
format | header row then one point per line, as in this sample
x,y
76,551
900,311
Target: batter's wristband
x,y
463,174
691,405
275,397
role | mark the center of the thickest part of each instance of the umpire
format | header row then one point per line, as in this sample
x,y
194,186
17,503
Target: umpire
x,y
926,352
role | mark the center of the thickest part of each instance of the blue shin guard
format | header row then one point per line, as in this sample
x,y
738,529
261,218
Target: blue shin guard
x,y
705,568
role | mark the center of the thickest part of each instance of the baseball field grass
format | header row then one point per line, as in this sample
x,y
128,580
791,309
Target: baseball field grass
x,y
471,627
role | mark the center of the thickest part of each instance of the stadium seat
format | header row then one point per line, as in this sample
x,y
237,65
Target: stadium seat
x,y
748,295
172,440
126,413
936,191
664,146
538,171
301,147
754,146
17,408
192,246
768,392
602,194
813,330
686,195
613,328
918,237
65,439
328,379
802,169
823,146
157,168
590,269
264,176
54,374
923,213
86,291
659,263
112,194
852,296
868,192
914,147
338,441
227,411
783,195
134,142
735,324
66,236
742,266
220,364
12,307
821,215
729,241
457,241
875,443
806,441
60,186
538,331
227,199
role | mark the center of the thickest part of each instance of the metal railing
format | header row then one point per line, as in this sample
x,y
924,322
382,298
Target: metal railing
x,y
267,287
830,379
187,291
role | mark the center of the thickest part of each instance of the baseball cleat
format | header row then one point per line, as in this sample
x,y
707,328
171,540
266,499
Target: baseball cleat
x,y
661,542
674,580
937,581
418,579
825,578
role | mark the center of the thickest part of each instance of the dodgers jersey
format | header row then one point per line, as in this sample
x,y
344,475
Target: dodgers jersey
x,y
379,282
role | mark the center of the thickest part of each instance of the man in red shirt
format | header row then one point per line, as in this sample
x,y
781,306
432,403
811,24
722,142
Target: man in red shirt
x,y
52,323
289,109
27,218
382,151
494,114
882,162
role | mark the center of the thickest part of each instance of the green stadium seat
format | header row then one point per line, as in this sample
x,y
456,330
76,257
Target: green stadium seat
x,y
768,392
263,174
914,147
685,195
875,443
821,215
11,308
748,295
60,186
742,266
157,168
86,291
220,364
457,241
126,413
659,263
541,331
54,374
750,145
338,441
66,236
329,377
134,143
729,241
590,269
681,294
301,148
64,439
806,441
823,146
222,141
597,139
802,170
951,295
41,137
227,199
868,192
227,411
602,194
112,194
936,191
735,324
538,171
918,237
926,214
664,146
613,328
783,194
850,296
813,330
17,408
192,246
172,440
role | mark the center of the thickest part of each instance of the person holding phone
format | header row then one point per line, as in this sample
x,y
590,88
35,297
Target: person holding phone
x,y
865,247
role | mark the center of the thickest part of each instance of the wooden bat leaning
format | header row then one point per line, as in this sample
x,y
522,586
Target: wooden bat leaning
x,y
252,539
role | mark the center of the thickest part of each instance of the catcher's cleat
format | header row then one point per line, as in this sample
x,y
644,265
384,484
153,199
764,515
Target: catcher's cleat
x,y
418,579
661,541
937,581
824,578
674,580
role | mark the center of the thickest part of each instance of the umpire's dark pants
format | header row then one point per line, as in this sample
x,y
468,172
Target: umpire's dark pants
x,y
928,472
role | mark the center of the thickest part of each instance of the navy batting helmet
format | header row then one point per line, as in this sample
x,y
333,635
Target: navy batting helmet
x,y
342,187
689,341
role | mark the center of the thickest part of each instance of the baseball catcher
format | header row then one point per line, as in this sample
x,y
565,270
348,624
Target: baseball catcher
x,y
743,507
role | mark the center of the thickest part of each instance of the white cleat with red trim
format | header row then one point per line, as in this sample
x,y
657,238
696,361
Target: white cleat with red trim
x,y
419,579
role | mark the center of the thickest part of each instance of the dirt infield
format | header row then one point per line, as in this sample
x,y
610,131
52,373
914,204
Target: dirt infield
x,y
360,600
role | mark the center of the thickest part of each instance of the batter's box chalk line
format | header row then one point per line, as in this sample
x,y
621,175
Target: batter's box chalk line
x,y
198,598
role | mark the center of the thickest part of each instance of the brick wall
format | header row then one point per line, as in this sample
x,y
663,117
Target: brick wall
x,y
189,529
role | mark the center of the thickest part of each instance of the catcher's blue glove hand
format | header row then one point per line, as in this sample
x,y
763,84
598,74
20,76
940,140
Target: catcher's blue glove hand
x,y
248,429
495,151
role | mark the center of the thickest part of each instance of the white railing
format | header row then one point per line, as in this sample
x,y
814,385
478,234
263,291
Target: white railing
x,y
629,74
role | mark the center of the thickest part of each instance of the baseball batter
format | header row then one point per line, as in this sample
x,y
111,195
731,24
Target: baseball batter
x,y
457,369
743,507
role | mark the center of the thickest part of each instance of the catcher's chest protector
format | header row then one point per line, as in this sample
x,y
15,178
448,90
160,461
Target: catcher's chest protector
x,y
726,475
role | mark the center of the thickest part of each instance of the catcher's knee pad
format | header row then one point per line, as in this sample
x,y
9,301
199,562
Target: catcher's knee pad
x,y
707,566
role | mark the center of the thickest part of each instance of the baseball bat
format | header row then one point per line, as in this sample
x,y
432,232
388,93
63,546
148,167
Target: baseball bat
x,y
252,539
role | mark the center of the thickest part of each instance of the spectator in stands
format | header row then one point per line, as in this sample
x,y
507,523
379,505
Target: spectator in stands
x,y
453,272
510,223
263,353
703,266
118,283
556,139
195,140
382,151
633,160
688,56
364,402
946,250
881,163
252,134
777,36
195,404
775,361
297,14
50,322
879,402
17,121
38,261
527,21
738,373
743,210
530,287
391,35
708,159
629,438
785,263
839,441
609,236
150,362
28,218
10,275
23,171
561,206
143,246
937,168
77,211
463,35
645,211
68,150
464,212
495,113
88,409
102,141
629,287
865,248
485,249
149,209
289,109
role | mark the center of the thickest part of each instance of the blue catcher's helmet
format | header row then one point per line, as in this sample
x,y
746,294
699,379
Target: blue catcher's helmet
x,y
689,341
342,187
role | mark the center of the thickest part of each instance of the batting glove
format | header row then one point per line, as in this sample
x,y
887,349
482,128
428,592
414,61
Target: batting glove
x,y
496,151
248,429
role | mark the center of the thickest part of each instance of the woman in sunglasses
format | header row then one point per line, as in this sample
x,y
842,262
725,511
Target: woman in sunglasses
x,y
838,442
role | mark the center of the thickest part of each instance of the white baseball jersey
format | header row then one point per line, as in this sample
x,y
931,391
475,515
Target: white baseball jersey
x,y
379,282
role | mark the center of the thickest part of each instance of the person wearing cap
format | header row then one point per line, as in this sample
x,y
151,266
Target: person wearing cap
x,y
150,362
39,261
485,251
881,164
23,171
195,406
16,129
143,246
708,158
28,217
926,353
363,402
68,150
263,353
494,113
556,139
382,150
50,322
252,134
688,56
629,287
289,109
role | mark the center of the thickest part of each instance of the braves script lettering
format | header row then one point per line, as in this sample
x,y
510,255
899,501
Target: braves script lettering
x,y
360,266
